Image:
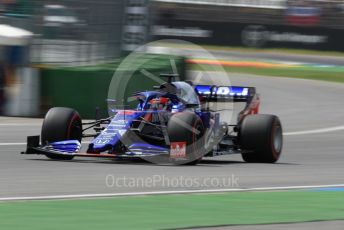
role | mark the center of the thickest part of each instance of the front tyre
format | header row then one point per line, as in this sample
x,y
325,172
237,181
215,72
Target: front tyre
x,y
61,124
261,138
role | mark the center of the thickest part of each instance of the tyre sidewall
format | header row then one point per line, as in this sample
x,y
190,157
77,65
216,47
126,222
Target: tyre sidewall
x,y
178,132
257,136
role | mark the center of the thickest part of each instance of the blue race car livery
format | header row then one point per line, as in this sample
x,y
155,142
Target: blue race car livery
x,y
173,123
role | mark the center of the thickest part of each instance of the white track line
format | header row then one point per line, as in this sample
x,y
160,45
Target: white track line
x,y
306,132
315,131
19,124
12,144
100,195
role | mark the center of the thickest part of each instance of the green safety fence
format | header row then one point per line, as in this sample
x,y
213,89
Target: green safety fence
x,y
86,88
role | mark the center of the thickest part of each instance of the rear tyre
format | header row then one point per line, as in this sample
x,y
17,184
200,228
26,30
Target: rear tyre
x,y
261,138
187,127
61,124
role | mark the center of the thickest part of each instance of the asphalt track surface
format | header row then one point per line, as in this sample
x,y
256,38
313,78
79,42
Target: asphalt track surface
x,y
309,158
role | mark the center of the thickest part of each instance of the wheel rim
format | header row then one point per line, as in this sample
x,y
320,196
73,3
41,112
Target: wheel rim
x,y
278,139
198,133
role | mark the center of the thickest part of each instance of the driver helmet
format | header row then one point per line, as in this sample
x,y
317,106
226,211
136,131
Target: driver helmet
x,y
160,103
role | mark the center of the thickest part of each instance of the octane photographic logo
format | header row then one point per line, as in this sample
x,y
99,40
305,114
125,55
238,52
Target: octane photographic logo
x,y
142,64
255,36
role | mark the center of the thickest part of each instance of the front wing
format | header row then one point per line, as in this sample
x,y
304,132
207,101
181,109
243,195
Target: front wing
x,y
33,147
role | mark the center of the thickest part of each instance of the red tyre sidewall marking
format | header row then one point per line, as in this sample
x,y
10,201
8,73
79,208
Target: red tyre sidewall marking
x,y
272,145
69,130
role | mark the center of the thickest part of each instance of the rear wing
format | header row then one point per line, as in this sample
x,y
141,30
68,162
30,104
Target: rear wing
x,y
212,93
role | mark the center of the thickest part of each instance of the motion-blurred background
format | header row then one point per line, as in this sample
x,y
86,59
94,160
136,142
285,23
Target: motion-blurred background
x,y
41,41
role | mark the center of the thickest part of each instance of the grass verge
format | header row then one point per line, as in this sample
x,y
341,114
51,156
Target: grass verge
x,y
174,211
332,74
275,50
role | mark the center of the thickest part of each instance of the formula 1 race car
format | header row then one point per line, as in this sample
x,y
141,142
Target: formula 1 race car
x,y
172,123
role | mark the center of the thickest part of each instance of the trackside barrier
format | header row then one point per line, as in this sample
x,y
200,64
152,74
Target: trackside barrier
x,y
86,88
